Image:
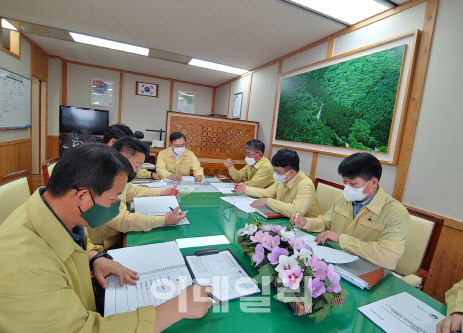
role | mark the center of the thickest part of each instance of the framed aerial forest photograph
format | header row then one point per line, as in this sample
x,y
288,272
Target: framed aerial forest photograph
x,y
349,104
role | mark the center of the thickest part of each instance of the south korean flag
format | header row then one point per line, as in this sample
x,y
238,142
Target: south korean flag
x,y
147,89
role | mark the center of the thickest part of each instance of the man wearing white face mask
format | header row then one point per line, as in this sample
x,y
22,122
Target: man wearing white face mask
x,y
258,172
365,220
177,161
293,192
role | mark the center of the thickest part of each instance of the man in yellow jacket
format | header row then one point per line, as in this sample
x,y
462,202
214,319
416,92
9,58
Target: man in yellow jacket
x,y
177,161
258,171
117,131
454,320
110,235
45,283
365,220
293,192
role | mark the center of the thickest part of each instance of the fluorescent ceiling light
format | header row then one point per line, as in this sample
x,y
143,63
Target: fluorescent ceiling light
x,y
7,25
79,38
348,11
217,67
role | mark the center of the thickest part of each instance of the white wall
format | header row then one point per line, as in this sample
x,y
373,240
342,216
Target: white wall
x,y
221,99
54,95
240,86
435,176
79,85
261,103
203,97
143,112
22,67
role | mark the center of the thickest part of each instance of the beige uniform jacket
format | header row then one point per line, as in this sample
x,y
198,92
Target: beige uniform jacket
x,y
260,175
143,173
377,234
454,298
110,234
298,196
167,164
45,283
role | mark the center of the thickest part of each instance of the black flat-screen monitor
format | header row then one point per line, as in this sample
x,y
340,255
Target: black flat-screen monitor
x,y
76,119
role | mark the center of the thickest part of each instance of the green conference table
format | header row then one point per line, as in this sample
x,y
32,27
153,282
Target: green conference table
x,y
210,216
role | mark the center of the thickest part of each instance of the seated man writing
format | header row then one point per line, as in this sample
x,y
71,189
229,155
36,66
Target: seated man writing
x,y
365,220
45,283
454,320
117,131
293,192
177,161
110,235
258,172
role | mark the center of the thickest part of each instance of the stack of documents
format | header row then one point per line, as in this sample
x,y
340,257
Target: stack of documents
x,y
162,277
225,188
155,184
157,206
361,273
402,313
242,202
331,255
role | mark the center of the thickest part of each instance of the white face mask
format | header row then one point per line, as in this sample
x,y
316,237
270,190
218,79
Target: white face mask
x,y
250,161
355,194
179,151
279,178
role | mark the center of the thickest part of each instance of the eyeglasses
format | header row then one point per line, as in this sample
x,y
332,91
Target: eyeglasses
x,y
251,154
179,146
138,166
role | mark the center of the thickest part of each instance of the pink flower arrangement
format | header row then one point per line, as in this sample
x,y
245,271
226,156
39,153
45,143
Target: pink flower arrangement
x,y
277,252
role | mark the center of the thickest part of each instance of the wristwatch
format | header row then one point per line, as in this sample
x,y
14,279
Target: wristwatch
x,y
99,255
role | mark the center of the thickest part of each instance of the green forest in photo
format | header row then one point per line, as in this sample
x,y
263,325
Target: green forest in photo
x,y
349,104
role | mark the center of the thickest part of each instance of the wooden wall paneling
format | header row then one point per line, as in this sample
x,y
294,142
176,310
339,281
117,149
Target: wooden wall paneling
x,y
277,95
447,264
52,146
415,99
39,62
15,156
213,101
249,96
213,140
171,96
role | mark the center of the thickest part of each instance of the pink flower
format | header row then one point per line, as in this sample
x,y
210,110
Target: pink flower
x,y
316,287
334,278
270,242
259,254
292,278
259,236
285,263
276,228
296,243
318,268
275,254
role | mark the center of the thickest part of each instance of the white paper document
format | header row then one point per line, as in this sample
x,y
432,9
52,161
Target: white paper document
x,y
242,202
224,273
331,255
162,277
225,188
201,241
155,184
155,205
402,313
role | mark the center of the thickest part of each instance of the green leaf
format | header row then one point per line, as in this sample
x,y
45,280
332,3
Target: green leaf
x,y
328,283
286,295
321,314
344,292
319,303
329,297
265,270
251,248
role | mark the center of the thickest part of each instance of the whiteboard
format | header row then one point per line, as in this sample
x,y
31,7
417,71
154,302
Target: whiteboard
x,y
15,100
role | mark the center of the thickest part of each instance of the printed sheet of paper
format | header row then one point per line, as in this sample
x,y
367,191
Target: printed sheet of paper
x,y
162,277
402,313
331,255
155,184
242,202
224,273
155,205
225,188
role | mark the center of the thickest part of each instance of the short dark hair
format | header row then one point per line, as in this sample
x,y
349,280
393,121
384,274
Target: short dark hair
x,y
255,144
176,135
363,165
116,131
130,146
287,159
90,165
